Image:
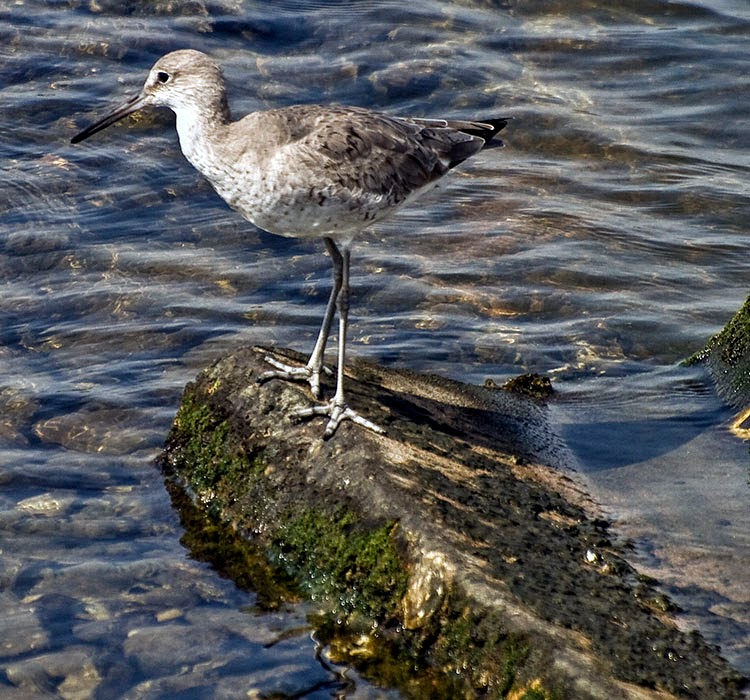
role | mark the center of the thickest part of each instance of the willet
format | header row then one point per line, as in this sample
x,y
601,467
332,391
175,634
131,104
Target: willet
x,y
307,171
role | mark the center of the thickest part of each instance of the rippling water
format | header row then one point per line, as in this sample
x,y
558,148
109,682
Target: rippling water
x,y
605,244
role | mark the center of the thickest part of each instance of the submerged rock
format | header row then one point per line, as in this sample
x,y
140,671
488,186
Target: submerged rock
x,y
448,557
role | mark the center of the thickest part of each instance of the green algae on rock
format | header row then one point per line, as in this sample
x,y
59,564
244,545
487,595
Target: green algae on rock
x,y
446,547
727,356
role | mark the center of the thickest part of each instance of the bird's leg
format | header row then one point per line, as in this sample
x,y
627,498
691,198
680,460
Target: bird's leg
x,y
315,363
336,409
311,371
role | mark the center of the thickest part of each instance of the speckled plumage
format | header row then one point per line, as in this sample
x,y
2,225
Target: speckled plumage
x,y
305,171
331,170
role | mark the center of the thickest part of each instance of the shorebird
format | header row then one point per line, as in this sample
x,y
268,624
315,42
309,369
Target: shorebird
x,y
307,171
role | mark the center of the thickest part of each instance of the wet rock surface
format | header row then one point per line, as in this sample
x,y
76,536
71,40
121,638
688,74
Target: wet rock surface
x,y
727,357
451,540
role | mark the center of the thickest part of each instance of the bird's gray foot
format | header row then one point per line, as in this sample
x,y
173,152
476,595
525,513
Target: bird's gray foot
x,y
337,413
293,373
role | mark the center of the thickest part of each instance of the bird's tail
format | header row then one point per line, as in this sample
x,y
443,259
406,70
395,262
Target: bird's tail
x,y
486,129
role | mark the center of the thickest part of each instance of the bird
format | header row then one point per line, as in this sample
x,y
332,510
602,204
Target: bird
x,y
305,171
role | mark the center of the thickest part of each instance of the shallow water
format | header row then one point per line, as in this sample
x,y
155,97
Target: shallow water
x,y
603,245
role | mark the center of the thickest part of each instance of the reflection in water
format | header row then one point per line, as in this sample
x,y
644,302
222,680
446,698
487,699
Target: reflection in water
x,y
603,245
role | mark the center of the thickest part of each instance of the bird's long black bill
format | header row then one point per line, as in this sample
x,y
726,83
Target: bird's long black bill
x,y
132,105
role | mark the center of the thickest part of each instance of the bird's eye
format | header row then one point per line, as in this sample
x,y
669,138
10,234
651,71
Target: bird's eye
x,y
163,77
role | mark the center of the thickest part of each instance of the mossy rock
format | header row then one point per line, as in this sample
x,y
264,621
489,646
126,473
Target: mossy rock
x,y
727,356
443,558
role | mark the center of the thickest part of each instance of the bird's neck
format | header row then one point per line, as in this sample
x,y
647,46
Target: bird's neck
x,y
200,132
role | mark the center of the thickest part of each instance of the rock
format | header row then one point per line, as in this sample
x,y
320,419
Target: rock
x,y
727,356
450,545
95,429
22,633
68,674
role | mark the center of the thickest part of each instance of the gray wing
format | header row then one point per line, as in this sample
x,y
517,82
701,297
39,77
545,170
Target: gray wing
x,y
376,153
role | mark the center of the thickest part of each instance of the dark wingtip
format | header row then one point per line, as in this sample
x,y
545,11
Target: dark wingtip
x,y
488,128
496,126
